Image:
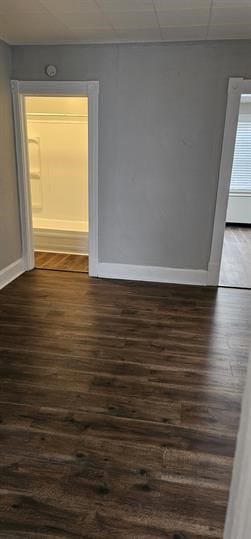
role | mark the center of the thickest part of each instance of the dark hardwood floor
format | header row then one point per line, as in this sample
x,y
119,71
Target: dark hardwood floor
x,y
61,261
236,257
120,404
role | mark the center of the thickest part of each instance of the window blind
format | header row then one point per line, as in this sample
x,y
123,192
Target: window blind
x,y
241,171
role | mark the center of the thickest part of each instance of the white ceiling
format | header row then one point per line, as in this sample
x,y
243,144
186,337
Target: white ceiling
x,y
113,21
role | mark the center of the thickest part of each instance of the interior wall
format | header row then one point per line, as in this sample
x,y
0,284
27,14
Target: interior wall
x,y
10,240
57,131
162,112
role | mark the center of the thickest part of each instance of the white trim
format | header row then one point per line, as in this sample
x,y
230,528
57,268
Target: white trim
x,y
57,115
238,520
93,89
62,88
88,89
61,241
11,272
22,175
213,274
54,118
152,273
236,87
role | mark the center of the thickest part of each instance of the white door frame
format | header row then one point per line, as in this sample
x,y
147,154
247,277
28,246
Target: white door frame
x,y
236,87
89,89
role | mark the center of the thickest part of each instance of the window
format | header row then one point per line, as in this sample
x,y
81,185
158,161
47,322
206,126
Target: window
x,y
241,171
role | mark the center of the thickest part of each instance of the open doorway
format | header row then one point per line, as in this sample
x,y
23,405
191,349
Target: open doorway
x,y
57,147
233,195
88,91
236,255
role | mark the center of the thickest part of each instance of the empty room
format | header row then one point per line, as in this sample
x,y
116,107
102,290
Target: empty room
x,y
125,269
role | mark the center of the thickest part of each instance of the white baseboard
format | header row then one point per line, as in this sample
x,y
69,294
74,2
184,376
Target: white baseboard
x,y
60,241
213,274
152,273
11,272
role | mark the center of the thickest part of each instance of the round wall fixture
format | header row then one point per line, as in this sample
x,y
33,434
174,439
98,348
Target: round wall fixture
x,y
51,70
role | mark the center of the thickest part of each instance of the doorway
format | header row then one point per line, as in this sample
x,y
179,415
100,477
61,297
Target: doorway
x,y
236,255
53,225
57,147
229,263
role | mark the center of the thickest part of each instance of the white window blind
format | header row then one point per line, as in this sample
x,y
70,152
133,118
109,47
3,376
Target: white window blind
x,y
241,171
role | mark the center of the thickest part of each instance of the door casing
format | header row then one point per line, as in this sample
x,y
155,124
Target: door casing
x,y
21,89
236,87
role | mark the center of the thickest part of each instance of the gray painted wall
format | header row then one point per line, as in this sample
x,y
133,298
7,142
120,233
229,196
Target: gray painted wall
x,y
10,243
162,111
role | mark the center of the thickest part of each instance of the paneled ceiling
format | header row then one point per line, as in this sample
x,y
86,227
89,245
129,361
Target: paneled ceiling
x,y
116,21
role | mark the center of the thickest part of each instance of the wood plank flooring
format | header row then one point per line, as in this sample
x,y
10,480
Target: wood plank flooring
x,y
120,404
236,257
61,261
